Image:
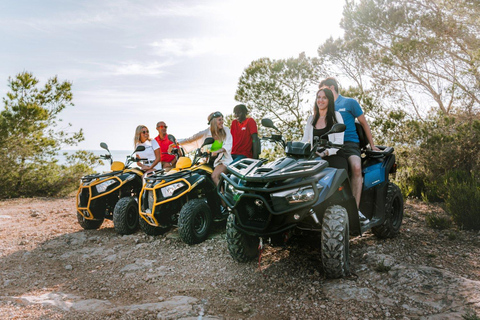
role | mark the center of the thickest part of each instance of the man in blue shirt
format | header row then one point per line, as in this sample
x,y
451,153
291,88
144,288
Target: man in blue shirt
x,y
350,110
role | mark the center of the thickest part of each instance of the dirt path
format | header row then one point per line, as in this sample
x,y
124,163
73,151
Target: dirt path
x,y
50,268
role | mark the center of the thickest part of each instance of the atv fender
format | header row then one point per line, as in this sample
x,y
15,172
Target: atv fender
x,y
341,193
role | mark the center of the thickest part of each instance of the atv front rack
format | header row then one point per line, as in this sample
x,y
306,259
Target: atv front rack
x,y
251,170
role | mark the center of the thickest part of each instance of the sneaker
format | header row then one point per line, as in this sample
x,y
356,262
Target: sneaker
x,y
363,220
224,211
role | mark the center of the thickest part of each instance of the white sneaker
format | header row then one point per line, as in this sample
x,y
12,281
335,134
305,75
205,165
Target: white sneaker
x,y
363,220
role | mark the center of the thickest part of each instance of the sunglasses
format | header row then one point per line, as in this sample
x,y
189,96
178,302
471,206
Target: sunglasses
x,y
215,115
145,132
161,127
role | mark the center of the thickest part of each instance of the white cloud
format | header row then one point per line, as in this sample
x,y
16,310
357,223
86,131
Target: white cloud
x,y
190,47
138,68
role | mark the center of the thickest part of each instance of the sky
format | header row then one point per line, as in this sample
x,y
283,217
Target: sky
x,y
142,61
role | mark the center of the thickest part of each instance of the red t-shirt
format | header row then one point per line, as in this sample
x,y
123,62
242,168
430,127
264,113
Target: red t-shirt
x,y
165,157
242,136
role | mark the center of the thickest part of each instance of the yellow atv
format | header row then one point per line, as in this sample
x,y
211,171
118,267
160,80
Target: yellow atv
x,y
186,197
112,195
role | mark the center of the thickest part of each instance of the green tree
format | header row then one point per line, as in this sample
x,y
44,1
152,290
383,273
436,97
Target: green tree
x,y
418,53
280,90
31,136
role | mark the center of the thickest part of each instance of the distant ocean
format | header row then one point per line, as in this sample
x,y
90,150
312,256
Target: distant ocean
x,y
117,155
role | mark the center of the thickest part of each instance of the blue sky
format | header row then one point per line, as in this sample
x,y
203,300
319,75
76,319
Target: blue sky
x,y
139,62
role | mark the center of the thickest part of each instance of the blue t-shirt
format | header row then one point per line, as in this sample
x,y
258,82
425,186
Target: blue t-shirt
x,y
349,109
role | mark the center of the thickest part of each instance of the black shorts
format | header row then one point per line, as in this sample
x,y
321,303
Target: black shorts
x,y
350,149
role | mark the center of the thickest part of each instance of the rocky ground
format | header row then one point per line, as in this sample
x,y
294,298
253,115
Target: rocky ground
x,y
50,268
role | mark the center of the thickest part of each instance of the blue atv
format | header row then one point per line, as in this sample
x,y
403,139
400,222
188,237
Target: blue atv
x,y
271,200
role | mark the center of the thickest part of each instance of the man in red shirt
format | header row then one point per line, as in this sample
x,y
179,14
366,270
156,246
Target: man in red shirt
x,y
245,135
168,160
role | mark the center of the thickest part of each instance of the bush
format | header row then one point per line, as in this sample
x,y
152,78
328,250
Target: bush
x,y
463,199
438,221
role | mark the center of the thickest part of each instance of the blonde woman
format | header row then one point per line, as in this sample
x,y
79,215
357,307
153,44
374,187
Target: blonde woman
x,y
151,152
222,147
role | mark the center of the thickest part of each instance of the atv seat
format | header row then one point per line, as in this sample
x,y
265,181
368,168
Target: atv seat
x,y
364,142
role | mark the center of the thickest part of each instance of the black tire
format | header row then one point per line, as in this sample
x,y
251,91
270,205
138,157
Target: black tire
x,y
194,221
149,229
393,213
88,224
335,242
242,247
125,216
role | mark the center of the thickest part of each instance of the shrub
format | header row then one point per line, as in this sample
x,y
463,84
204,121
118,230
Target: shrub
x,y
463,199
438,221
382,267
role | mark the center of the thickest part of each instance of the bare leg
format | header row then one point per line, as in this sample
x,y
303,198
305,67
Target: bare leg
x,y
216,177
356,167
217,171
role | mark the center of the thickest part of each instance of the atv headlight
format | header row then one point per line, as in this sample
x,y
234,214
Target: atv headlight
x,y
130,177
102,187
297,195
171,188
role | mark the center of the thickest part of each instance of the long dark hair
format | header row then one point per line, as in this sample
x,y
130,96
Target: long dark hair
x,y
330,119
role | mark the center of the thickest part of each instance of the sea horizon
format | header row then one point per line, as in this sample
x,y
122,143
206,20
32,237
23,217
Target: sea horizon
x,y
117,155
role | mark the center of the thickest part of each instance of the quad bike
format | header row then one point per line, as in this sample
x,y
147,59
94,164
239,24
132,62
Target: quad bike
x,y
112,195
271,200
186,197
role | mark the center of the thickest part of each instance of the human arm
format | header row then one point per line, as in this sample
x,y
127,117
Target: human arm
x,y
158,156
255,146
195,141
368,132
308,131
335,138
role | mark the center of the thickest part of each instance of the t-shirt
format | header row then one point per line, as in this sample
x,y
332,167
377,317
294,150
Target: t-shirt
x,y
350,110
242,136
149,152
165,157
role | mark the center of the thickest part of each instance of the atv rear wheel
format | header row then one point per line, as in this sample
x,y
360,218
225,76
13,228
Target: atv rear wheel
x,y
88,224
335,242
125,216
393,213
194,221
149,229
242,247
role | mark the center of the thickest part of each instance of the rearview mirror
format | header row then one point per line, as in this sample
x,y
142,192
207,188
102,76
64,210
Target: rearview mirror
x,y
338,127
208,140
103,145
171,137
139,148
268,123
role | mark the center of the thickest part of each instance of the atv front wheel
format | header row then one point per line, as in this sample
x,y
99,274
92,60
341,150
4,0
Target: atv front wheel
x,y
335,246
149,229
88,224
242,247
125,216
393,213
194,221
